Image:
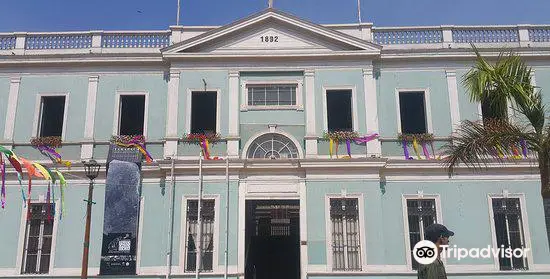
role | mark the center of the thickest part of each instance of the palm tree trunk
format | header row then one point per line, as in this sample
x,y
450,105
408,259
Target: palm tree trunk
x,y
544,168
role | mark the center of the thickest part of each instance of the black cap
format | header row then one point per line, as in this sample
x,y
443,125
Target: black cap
x,y
434,231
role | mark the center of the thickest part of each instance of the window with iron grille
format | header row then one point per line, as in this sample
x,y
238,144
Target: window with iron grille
x,y
509,231
346,246
421,213
272,95
207,235
38,240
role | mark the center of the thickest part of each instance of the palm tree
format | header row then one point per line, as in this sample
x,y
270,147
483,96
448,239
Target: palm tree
x,y
496,138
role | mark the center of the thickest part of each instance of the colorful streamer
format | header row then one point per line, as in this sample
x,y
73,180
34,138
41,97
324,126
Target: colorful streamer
x,y
415,147
515,152
33,170
348,147
135,144
425,150
330,144
523,147
62,184
406,150
53,155
365,139
336,143
3,189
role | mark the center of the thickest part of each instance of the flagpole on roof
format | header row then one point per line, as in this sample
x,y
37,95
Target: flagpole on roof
x,y
359,10
178,14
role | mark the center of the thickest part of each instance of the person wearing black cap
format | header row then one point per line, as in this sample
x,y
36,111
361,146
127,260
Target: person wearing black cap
x,y
439,235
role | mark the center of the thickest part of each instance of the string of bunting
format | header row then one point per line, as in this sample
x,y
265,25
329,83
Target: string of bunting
x,y
33,169
336,137
133,141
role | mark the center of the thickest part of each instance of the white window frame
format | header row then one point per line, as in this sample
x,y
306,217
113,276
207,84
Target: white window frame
x,y
427,107
22,236
183,232
116,119
362,237
189,106
38,112
438,214
524,223
299,91
354,116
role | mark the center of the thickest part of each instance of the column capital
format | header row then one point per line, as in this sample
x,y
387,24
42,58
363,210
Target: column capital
x,y
15,80
234,73
368,71
309,72
450,73
174,73
93,78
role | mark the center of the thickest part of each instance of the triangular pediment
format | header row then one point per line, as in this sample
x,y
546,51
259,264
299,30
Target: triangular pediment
x,y
270,33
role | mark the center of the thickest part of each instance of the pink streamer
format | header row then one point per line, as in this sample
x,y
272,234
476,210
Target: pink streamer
x,y
3,173
365,139
425,150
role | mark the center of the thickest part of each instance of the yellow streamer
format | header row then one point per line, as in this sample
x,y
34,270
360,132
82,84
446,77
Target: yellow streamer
x,y
42,170
331,143
499,151
415,147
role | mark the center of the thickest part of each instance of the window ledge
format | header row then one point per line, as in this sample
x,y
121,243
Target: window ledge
x,y
256,108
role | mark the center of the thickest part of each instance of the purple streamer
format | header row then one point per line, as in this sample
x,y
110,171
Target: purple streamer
x,y
3,170
425,150
523,147
405,150
349,147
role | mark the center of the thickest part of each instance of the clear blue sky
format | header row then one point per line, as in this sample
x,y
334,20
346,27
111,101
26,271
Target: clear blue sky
x,y
68,15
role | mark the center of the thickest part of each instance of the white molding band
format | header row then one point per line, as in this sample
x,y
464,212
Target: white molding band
x,y
454,108
374,148
12,108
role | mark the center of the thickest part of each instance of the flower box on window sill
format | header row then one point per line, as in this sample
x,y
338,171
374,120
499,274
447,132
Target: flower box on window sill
x,y
122,140
52,142
420,138
341,135
198,138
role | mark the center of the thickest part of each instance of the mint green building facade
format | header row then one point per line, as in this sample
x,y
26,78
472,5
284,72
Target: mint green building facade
x,y
373,66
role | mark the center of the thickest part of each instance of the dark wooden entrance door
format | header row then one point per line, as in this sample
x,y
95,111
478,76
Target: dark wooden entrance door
x,y
272,239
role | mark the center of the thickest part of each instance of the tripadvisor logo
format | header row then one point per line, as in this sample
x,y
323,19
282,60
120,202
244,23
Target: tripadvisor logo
x,y
425,252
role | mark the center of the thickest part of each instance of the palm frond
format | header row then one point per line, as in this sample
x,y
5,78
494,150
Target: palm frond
x,y
475,144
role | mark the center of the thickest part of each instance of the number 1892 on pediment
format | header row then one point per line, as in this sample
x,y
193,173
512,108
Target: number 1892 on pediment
x,y
269,39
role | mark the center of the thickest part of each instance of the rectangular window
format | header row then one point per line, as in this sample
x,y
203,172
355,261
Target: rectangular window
x,y
52,111
272,95
339,108
203,112
132,114
421,213
509,231
38,239
346,246
412,109
207,234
